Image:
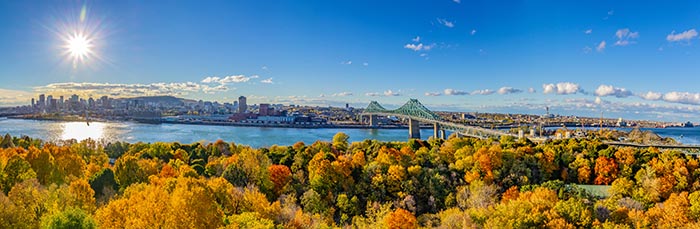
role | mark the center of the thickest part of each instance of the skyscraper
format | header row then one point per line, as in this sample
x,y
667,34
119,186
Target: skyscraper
x,y
242,106
42,101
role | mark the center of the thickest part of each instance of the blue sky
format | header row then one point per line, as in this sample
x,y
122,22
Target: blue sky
x,y
628,59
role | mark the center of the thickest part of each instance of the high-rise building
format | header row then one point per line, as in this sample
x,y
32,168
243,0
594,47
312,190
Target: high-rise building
x,y
32,102
105,102
42,101
242,106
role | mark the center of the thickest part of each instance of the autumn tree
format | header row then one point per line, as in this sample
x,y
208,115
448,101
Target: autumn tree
x,y
70,218
605,170
280,176
127,171
14,170
401,219
340,141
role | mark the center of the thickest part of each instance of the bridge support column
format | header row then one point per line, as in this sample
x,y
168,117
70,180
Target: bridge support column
x,y
436,130
372,120
413,129
443,135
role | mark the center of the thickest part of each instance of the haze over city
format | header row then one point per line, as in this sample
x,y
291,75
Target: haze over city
x,y
623,58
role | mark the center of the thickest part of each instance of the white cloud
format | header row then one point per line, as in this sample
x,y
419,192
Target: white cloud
x,y
588,31
457,1
391,93
229,79
348,62
587,50
385,93
684,36
14,97
562,88
473,32
598,100
531,90
508,90
365,64
482,92
417,39
433,94
600,47
609,90
419,47
263,67
625,37
682,97
267,81
445,22
342,94
217,88
450,91
650,95
128,90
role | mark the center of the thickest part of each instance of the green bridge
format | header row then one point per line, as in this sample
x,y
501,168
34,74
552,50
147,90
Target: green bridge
x,y
416,113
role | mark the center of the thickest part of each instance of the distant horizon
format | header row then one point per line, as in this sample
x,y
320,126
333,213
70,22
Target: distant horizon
x,y
623,58
360,106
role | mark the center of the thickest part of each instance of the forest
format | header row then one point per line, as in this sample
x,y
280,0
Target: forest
x,y
453,183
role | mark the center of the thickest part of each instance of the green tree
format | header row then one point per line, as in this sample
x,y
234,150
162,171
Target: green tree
x,y
14,171
71,218
128,171
340,141
103,183
7,142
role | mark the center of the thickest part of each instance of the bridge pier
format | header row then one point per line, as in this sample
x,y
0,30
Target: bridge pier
x,y
436,130
373,121
413,129
443,135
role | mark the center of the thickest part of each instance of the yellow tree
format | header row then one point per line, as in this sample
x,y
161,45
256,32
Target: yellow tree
x,y
193,205
141,206
82,195
673,213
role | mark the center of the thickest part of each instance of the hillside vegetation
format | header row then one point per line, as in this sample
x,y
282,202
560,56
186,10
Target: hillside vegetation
x,y
454,183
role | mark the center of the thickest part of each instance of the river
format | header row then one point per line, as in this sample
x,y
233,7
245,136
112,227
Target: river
x,y
253,136
183,133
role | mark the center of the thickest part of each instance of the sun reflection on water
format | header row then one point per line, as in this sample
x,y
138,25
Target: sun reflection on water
x,y
81,130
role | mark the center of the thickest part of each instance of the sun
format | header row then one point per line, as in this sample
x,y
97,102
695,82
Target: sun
x,y
78,46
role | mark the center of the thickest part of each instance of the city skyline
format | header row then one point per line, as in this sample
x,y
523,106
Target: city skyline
x,y
626,59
